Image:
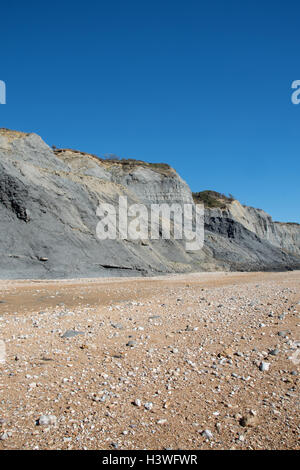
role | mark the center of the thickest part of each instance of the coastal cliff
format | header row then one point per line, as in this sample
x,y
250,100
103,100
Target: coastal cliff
x,y
48,203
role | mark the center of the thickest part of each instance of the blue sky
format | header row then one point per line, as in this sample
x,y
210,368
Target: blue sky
x,y
202,85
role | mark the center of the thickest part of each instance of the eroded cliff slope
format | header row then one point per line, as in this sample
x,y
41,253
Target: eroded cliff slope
x,y
48,202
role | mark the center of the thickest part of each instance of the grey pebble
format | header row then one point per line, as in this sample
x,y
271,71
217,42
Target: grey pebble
x,y
72,333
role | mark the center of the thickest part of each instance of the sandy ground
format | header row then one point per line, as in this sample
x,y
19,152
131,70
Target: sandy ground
x,y
162,363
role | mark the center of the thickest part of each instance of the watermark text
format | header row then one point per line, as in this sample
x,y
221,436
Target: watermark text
x,y
157,221
2,92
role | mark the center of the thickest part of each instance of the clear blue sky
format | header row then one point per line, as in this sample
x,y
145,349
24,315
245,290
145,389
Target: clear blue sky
x,y
202,85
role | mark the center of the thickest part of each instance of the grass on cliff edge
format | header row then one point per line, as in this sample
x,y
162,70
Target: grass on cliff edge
x,y
213,199
125,162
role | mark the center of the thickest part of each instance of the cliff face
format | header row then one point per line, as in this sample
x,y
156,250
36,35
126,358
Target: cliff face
x,y
285,236
48,202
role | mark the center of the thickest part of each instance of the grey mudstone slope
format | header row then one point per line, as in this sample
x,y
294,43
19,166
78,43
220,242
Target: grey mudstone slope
x,y
48,202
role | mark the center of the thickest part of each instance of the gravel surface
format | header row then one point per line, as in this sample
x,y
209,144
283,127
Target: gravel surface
x,y
201,361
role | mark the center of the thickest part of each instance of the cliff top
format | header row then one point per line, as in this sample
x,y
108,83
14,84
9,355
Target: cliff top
x,y
210,199
287,223
11,134
128,163
213,199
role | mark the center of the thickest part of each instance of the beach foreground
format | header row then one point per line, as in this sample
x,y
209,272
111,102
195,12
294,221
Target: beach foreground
x,y
197,361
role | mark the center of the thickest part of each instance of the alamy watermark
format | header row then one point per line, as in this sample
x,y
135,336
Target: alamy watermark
x,y
296,94
139,222
2,92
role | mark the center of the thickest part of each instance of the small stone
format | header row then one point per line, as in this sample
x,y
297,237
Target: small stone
x,y
117,326
282,334
148,405
218,427
47,420
207,434
137,402
72,333
249,421
274,352
264,366
228,352
189,328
